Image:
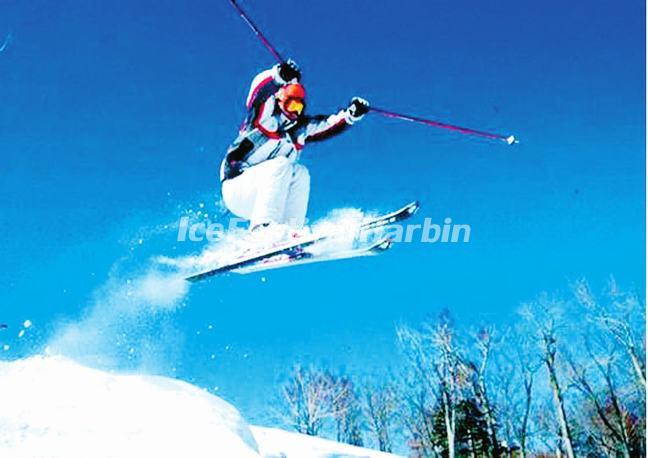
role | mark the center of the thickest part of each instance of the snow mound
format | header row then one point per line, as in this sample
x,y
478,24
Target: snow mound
x,y
284,444
53,407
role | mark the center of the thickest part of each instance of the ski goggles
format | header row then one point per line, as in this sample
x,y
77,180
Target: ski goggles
x,y
294,106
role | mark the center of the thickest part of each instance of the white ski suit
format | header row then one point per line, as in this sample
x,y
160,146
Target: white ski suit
x,y
261,178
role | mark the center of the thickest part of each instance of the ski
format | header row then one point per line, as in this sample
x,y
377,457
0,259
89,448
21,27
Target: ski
x,y
293,248
281,261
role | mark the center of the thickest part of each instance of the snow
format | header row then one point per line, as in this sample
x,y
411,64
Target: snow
x,y
122,316
52,407
277,443
343,221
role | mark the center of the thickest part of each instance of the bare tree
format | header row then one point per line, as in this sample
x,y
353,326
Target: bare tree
x,y
418,418
544,315
447,371
622,318
517,364
435,357
610,374
484,342
419,393
347,412
528,368
605,400
380,404
312,397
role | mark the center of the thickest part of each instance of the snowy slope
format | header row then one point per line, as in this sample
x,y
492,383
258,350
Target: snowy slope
x,y
52,407
277,443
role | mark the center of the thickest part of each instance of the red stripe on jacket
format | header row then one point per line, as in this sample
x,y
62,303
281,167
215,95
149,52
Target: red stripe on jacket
x,y
329,131
258,125
256,90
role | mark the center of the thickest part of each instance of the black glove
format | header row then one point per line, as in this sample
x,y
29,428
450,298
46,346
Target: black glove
x,y
289,71
358,108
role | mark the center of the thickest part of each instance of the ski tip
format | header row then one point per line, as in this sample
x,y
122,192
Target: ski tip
x,y
413,207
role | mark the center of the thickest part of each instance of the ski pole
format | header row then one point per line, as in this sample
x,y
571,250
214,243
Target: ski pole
x,y
390,114
510,139
257,32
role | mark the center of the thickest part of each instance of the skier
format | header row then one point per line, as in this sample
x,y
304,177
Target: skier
x,y
262,180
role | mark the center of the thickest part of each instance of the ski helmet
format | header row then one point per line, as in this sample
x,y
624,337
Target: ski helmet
x,y
291,99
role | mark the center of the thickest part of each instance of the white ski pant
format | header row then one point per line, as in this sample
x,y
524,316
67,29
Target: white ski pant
x,y
275,190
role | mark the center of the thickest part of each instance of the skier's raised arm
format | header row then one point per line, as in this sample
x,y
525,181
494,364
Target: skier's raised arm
x,y
321,127
269,81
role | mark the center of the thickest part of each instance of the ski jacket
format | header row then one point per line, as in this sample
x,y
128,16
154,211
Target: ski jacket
x,y
267,133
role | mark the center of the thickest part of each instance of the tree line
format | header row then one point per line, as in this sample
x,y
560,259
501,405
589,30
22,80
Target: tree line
x,y
567,379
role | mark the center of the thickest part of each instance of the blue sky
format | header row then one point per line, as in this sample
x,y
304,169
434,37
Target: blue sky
x,y
114,117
